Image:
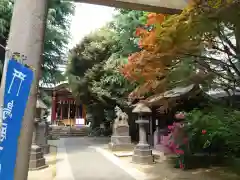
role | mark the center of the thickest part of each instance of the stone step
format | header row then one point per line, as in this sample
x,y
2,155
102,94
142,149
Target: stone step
x,y
70,134
68,131
61,132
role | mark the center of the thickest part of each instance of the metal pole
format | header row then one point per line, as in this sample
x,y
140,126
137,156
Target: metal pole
x,y
26,37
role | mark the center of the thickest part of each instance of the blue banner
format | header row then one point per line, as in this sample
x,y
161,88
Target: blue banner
x,y
17,88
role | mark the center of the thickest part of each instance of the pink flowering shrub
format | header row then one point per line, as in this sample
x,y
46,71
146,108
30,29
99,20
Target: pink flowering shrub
x,y
177,140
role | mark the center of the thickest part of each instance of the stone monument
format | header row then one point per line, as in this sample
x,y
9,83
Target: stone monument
x,y
142,153
120,139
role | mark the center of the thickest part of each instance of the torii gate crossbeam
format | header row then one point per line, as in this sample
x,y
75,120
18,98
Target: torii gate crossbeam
x,y
26,37
161,6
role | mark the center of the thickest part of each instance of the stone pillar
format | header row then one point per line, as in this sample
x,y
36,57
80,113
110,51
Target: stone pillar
x,y
54,105
142,152
37,161
26,37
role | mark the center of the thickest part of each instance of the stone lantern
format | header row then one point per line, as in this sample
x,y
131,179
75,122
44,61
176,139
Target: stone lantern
x,y
37,160
142,152
42,127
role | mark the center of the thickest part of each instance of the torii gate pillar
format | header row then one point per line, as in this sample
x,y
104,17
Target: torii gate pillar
x,y
26,37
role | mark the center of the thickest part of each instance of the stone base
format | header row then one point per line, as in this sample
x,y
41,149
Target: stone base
x,y
120,143
121,139
120,147
142,154
46,149
37,161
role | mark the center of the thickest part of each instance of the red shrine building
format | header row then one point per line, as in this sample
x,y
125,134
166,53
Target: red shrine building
x,y
65,110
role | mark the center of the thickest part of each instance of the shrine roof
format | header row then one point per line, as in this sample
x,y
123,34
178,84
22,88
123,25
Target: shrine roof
x,y
178,92
56,87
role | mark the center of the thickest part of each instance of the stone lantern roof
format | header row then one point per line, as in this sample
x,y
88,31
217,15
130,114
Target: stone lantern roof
x,y
141,108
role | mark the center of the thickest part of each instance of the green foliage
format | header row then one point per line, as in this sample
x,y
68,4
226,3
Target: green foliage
x,y
56,39
210,37
205,38
45,98
56,36
113,85
125,24
93,69
5,18
86,63
221,126
180,74
93,66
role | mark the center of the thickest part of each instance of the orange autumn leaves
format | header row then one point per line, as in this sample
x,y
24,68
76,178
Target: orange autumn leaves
x,y
165,41
148,37
154,18
143,66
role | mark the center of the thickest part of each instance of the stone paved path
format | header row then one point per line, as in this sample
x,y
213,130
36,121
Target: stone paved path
x,y
82,162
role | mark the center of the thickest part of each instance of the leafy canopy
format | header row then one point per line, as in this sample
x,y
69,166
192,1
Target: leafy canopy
x,y
202,43
93,69
56,36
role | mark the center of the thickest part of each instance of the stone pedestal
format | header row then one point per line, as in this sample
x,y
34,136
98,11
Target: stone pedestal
x,y
121,140
41,136
37,160
142,153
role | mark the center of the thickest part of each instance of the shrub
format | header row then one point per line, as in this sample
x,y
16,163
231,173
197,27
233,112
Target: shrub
x,y
214,130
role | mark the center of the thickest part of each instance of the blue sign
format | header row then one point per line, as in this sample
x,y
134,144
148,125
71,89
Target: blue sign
x,y
17,88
